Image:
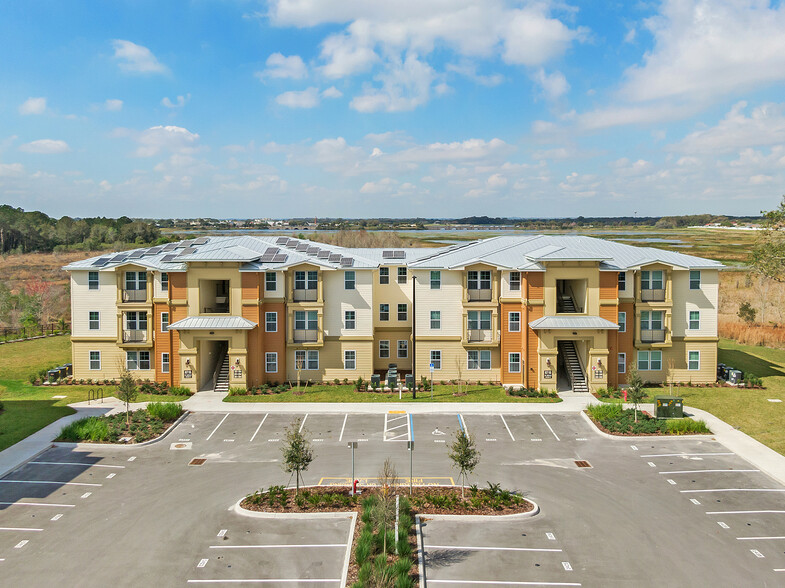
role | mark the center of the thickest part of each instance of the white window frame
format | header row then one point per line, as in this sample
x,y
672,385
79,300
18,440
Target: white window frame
x,y
165,281
271,357
91,360
270,282
165,362
308,355
649,361
349,324
97,320
647,323
648,279
164,322
384,275
690,321
695,280
623,321
478,321
268,322
436,360
347,361
511,363
622,281
436,280
136,281
437,320
483,356
384,312
689,361
90,282
403,274
137,322
349,280
137,359
621,363
405,312
307,323
403,346
387,350
515,281
514,323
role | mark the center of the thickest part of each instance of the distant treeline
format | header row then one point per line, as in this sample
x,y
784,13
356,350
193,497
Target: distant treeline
x,y
25,232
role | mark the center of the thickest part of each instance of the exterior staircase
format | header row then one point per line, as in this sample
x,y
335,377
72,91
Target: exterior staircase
x,y
573,366
222,381
567,304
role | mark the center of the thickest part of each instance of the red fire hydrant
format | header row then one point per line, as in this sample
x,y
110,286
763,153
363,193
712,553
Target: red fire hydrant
x,y
625,395
354,487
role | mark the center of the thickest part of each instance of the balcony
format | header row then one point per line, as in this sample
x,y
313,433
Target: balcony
x,y
479,335
652,335
135,295
134,336
221,306
653,295
306,295
306,335
482,295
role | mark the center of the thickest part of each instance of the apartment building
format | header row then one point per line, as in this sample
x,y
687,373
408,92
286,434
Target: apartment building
x,y
556,312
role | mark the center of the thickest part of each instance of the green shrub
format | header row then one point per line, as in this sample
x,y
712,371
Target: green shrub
x,y
86,429
402,566
685,426
404,582
180,391
238,391
166,411
2,408
602,412
364,547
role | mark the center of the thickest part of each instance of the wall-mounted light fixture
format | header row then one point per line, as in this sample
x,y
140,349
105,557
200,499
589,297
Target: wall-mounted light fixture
x,y
237,361
599,362
548,362
187,362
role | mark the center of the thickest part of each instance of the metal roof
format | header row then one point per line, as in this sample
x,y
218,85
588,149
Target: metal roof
x,y
572,323
210,323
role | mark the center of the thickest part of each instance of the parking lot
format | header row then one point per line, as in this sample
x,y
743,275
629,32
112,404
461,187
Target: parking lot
x,y
643,511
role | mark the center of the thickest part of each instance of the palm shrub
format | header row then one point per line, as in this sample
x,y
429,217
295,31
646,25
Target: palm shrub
x,y
166,411
86,429
601,412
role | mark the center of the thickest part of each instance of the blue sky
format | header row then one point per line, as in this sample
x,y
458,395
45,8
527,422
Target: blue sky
x,y
436,108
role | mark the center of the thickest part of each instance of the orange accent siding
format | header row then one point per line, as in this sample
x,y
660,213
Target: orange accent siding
x,y
178,286
534,285
625,342
533,344
274,342
609,285
160,342
178,314
511,342
251,285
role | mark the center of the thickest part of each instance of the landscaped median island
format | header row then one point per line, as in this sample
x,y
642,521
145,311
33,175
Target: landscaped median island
x,y
134,427
616,420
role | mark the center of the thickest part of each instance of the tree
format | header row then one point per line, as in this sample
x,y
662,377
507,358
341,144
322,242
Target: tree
x,y
127,393
747,313
297,452
635,392
383,512
464,455
768,253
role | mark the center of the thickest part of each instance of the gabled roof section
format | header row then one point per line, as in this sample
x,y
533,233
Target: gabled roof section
x,y
207,323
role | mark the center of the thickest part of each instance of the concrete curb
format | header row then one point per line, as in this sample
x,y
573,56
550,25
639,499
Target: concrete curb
x,y
449,517
257,514
26,461
587,418
420,551
124,445
350,543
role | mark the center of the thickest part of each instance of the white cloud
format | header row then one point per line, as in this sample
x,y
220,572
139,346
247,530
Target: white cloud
x,y
383,186
553,85
280,66
11,169
332,92
496,181
33,106
346,56
405,86
532,37
181,101
113,105
133,58
469,70
630,36
164,138
303,99
45,146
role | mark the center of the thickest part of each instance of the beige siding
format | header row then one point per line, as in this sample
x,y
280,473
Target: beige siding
x,y
454,362
103,300
215,271
337,300
703,300
112,361
674,364
447,300
331,357
392,294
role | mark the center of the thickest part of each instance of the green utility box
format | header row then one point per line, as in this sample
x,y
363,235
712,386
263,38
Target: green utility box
x,y
668,407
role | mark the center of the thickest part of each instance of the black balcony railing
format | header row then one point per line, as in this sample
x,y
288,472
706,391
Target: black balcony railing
x,y
653,295
652,335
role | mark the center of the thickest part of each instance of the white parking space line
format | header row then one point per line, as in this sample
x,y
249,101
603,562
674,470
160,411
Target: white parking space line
x,y
346,416
216,428
36,504
634,447
284,546
760,538
132,458
19,529
474,548
550,536
269,581
302,424
488,582
723,525
671,482
202,563
724,512
708,471
48,482
259,427
75,463
694,501
222,532
393,423
683,454
549,427
652,464
110,476
737,490
567,566
57,517
757,553
86,495
21,544
506,427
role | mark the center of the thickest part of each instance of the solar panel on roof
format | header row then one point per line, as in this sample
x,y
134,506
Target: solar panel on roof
x,y
312,250
335,257
188,250
170,257
387,254
201,240
291,244
153,250
282,240
280,258
400,255
347,261
302,247
120,257
267,257
271,251
323,254
169,247
136,254
101,262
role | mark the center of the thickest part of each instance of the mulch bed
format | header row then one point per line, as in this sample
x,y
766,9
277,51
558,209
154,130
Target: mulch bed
x,y
602,428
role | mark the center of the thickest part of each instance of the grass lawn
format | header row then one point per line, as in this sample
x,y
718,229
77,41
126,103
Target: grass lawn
x,y
29,408
347,393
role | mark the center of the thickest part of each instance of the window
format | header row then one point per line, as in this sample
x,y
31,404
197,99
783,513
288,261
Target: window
x,y
305,280
651,280
271,362
515,281
384,275
384,312
270,284
94,320
348,280
436,319
271,322
479,280
135,280
695,280
621,363
403,349
349,360
164,363
436,280
514,363
479,319
306,360
401,275
164,322
693,360
92,281
622,322
349,321
436,359
306,320
95,360
649,360
695,320
403,313
165,281
622,281
479,359
384,349
136,321
137,360
651,320
514,322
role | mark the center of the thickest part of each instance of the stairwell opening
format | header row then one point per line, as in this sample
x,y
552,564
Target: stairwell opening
x,y
571,362
213,362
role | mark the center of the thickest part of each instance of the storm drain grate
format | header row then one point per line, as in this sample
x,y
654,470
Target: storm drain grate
x,y
197,461
582,463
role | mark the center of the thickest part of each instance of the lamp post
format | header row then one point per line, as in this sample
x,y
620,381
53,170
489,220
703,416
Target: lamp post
x,y
410,446
353,445
414,336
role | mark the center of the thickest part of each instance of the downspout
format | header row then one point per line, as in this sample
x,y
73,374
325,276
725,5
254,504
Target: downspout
x,y
526,335
171,343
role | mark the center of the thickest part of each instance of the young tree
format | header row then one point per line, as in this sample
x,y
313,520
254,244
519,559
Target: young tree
x,y
464,455
297,452
383,513
635,392
768,253
127,393
747,313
